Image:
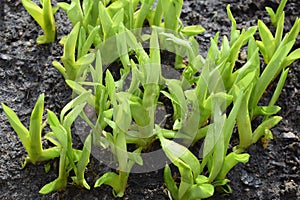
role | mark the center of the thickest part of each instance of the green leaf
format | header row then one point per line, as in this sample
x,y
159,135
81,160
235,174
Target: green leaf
x,y
135,157
217,158
201,179
52,119
244,121
118,19
59,134
270,72
78,89
177,96
292,35
199,191
142,13
68,57
122,112
175,151
50,153
17,125
85,60
187,178
172,14
98,71
121,151
49,21
83,162
265,125
35,11
272,14
135,78
139,114
279,87
231,120
35,129
47,167
121,39
60,68
191,121
57,184
268,41
234,34
111,87
192,30
154,68
81,40
295,55
279,30
266,110
158,14
213,135
170,183
63,5
111,179
74,12
106,21
73,103
72,115
89,41
279,11
230,161
44,17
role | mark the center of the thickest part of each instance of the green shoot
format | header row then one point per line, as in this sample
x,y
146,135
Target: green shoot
x,y
44,17
73,67
70,159
275,17
31,139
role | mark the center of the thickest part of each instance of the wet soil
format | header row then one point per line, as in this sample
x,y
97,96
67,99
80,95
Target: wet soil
x,y
26,72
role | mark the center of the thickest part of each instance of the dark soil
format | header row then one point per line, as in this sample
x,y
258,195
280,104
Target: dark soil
x,y
26,72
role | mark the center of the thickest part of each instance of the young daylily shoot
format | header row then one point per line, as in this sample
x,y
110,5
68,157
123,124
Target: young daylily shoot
x,y
32,138
70,159
122,82
44,17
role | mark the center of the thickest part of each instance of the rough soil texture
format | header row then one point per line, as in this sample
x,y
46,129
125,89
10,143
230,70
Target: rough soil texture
x,y
26,72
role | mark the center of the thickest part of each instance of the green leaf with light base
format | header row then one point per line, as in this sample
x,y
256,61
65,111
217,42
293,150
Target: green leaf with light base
x,y
44,17
32,138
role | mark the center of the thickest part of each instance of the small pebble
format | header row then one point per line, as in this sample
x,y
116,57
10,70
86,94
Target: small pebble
x,y
5,57
28,44
289,135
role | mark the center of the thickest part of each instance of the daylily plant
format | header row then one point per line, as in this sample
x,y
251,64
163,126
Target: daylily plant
x,y
211,100
32,138
44,17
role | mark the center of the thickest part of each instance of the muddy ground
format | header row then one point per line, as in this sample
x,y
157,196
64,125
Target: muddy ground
x,y
26,72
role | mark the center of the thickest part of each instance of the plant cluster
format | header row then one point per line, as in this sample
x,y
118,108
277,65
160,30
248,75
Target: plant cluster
x,y
212,99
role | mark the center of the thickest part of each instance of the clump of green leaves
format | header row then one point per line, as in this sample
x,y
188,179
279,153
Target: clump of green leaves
x,y
31,139
44,16
69,158
275,17
207,105
74,64
100,21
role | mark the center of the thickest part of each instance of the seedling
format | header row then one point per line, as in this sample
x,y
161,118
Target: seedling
x,y
275,17
74,67
31,139
207,105
70,159
44,17
192,185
